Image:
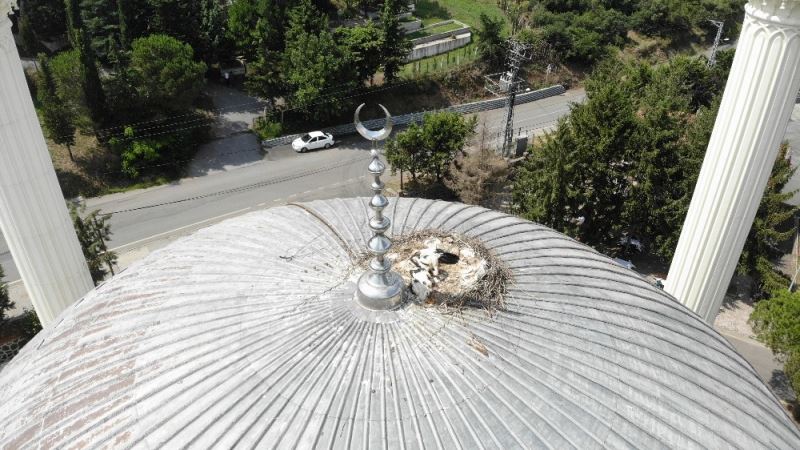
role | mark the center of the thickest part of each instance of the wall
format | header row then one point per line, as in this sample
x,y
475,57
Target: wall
x,y
410,27
440,46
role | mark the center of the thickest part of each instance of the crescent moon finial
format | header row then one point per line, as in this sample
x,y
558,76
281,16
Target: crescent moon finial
x,y
370,135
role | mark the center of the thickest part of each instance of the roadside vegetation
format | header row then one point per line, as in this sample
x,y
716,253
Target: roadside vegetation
x,y
625,162
121,98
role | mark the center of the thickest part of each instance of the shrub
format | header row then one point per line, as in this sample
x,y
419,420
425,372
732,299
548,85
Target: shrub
x,y
267,129
475,175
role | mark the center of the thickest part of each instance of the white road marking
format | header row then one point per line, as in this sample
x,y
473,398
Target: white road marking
x,y
166,233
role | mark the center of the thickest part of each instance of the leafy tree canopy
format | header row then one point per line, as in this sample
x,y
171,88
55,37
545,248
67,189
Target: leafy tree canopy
x,y
316,69
429,149
364,44
395,43
166,75
491,45
58,116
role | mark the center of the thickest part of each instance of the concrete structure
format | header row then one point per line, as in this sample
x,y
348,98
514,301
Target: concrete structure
x,y
755,109
411,26
439,43
247,335
33,215
439,46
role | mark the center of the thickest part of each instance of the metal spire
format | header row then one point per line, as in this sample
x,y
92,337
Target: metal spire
x,y
379,288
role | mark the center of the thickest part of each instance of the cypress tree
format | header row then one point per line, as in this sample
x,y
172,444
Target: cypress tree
x,y
90,76
57,117
395,44
74,22
124,42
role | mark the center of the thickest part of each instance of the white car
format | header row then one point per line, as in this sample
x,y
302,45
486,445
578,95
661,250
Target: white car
x,y
312,141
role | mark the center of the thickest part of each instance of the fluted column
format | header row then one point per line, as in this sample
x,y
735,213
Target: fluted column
x,y
33,215
751,123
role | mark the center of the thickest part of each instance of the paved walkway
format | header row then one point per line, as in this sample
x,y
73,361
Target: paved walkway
x,y
234,145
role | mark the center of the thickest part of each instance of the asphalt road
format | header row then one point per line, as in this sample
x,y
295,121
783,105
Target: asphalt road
x,y
279,176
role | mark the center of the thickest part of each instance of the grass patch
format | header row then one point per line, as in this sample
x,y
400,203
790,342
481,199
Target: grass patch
x,y
441,63
467,11
431,30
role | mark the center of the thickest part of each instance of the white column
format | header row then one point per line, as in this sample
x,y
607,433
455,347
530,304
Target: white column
x,y
33,214
752,121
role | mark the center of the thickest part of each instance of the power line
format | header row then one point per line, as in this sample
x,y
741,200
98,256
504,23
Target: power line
x,y
322,99
258,102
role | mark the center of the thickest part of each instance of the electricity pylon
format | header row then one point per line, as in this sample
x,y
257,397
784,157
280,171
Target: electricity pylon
x,y
712,60
518,53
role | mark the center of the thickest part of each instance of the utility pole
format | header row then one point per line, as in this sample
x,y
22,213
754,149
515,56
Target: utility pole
x,y
518,53
712,60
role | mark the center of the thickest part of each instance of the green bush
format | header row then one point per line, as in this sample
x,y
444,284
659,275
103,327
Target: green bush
x,y
267,129
776,322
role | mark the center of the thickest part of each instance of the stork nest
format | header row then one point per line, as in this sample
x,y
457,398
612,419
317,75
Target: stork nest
x,y
449,291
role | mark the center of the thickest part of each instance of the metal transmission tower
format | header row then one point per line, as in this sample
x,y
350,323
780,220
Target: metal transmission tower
x,y
712,60
517,54
508,84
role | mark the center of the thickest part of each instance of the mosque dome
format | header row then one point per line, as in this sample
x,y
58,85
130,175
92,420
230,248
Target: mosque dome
x,y
247,334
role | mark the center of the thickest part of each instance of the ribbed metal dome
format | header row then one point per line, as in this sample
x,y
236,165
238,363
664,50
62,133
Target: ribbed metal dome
x,y
246,335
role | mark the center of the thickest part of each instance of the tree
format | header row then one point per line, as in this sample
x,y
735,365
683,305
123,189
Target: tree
x,y
80,38
364,45
771,228
491,46
180,19
662,17
429,149
405,152
124,40
477,174
165,74
396,45
135,154
47,18
775,322
30,43
627,159
315,68
214,45
265,77
542,188
58,117
5,302
101,20
93,233
257,26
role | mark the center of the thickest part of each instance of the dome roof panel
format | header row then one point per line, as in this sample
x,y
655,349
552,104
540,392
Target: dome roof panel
x,y
247,334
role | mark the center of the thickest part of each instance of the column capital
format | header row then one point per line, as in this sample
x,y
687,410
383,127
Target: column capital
x,y
6,39
780,12
6,7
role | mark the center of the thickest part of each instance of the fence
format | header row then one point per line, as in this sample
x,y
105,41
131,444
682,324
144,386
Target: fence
x,y
440,63
407,119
